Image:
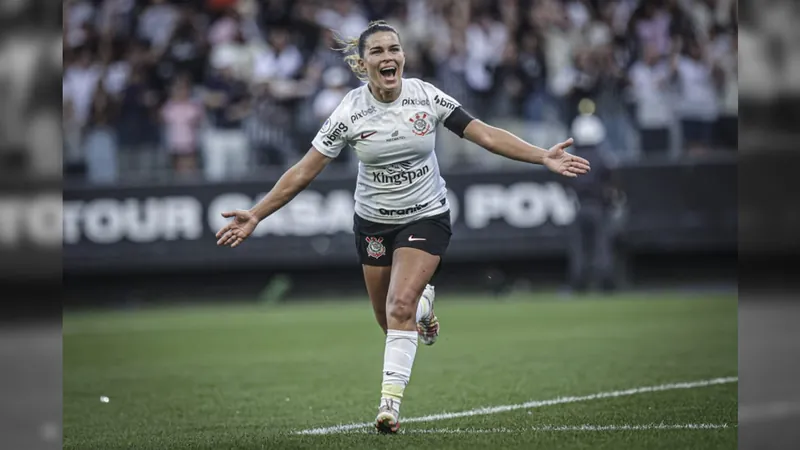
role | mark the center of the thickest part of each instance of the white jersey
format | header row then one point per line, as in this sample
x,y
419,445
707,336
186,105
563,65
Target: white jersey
x,y
398,174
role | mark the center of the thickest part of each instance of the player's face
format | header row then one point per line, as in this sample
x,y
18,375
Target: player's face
x,y
384,60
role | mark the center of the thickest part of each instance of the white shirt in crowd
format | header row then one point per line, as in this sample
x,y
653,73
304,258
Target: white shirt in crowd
x,y
79,86
650,89
697,93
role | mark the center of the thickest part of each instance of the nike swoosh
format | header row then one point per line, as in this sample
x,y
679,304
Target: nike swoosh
x,y
367,134
412,239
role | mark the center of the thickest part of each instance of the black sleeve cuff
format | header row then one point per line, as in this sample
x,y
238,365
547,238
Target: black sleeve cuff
x,y
457,121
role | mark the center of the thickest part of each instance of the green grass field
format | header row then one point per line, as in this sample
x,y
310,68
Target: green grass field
x,y
250,377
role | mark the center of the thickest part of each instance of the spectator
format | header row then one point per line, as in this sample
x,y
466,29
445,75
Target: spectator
x,y
157,22
650,85
725,46
226,151
280,60
186,49
117,71
116,18
100,144
698,106
343,17
575,82
525,63
182,117
136,125
335,88
225,28
80,82
325,56
650,25
240,52
485,42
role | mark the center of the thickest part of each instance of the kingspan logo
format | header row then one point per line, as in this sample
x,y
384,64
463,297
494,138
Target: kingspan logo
x,y
358,115
400,173
416,102
403,212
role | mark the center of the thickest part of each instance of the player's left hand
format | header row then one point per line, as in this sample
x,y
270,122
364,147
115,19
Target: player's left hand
x,y
563,163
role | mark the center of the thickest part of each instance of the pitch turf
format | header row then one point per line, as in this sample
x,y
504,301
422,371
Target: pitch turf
x,y
246,377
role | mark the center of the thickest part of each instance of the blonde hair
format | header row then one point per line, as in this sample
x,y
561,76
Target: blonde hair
x,y
353,48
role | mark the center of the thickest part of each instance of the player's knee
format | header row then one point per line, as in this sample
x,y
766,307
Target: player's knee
x,y
382,321
400,305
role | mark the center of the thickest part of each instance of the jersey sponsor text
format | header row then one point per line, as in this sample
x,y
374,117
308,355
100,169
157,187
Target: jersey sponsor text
x,y
358,115
399,177
404,211
441,101
336,134
416,102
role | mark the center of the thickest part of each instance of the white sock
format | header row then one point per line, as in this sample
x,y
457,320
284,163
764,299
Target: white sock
x,y
398,359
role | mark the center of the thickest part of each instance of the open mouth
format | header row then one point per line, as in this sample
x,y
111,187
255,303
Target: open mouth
x,y
389,73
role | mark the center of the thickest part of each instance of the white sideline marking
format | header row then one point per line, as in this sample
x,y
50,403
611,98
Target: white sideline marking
x,y
647,427
529,405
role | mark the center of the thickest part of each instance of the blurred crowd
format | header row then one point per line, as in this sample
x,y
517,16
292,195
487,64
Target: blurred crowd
x,y
218,89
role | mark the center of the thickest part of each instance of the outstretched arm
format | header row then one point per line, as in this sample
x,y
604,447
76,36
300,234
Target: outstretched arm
x,y
504,143
294,180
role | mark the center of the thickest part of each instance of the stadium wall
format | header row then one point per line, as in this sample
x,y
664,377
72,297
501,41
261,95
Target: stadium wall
x,y
669,208
678,224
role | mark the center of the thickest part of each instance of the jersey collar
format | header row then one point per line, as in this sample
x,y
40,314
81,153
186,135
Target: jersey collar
x,y
374,101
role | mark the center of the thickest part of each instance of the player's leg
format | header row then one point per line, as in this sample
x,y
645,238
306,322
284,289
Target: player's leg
x,y
374,245
377,279
414,262
433,236
411,270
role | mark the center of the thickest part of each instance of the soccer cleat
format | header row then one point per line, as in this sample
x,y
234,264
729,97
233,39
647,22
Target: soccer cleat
x,y
428,325
388,420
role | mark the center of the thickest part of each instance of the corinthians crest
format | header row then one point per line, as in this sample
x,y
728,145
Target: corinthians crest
x,y
420,123
375,247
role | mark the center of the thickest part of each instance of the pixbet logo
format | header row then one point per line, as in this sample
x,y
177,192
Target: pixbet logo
x,y
416,102
358,115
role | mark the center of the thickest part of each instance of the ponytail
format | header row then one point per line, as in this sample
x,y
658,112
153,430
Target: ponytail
x,y
353,48
352,55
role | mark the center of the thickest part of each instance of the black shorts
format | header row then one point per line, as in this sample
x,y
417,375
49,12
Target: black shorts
x,y
375,242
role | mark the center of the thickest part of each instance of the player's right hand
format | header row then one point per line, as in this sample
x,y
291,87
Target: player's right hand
x,y
242,226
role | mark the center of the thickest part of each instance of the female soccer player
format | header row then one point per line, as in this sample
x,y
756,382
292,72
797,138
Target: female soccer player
x,y
402,217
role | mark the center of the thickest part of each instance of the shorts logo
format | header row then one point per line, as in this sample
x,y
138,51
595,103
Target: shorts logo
x,y
375,247
421,125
